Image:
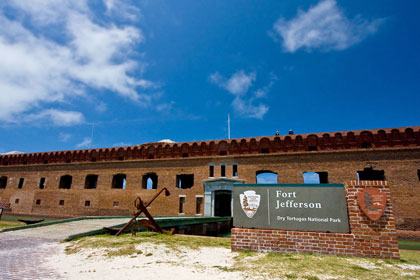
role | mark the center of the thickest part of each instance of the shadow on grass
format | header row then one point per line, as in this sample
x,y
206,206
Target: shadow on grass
x,y
409,244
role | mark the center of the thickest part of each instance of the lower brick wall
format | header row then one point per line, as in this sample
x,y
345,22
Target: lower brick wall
x,y
366,238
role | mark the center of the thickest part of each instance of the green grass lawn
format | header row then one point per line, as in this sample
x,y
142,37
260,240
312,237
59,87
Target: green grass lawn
x,y
12,218
8,224
8,221
409,244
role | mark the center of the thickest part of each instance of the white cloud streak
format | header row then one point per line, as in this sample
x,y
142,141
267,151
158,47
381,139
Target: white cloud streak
x,y
248,109
120,7
323,26
57,117
86,143
39,70
121,144
64,137
239,85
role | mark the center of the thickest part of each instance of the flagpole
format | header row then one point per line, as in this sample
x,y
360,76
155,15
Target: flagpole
x,y
228,126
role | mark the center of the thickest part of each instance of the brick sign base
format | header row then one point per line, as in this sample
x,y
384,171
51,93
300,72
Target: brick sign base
x,y
366,238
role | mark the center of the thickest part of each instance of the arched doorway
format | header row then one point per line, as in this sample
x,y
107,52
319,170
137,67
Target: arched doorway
x,y
222,203
218,196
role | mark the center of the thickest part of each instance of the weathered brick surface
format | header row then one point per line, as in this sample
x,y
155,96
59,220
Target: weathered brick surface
x,y
366,238
23,257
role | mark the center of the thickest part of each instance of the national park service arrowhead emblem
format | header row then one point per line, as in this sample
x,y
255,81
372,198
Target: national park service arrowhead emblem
x,y
250,201
372,202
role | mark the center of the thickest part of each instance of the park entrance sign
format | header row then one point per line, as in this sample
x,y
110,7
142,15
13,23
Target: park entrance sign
x,y
300,207
354,219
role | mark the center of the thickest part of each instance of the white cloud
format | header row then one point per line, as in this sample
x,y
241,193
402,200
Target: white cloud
x,y
238,85
121,8
101,107
110,4
58,117
64,137
165,107
248,109
121,144
48,11
323,26
37,69
262,92
86,143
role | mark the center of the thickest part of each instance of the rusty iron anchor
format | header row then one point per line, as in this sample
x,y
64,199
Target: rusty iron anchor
x,y
142,208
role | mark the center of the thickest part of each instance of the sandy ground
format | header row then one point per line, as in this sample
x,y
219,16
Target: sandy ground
x,y
155,262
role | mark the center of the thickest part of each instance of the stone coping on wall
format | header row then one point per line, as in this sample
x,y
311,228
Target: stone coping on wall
x,y
366,238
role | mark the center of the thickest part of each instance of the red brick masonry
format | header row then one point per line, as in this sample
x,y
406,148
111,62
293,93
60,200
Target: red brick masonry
x,y
366,238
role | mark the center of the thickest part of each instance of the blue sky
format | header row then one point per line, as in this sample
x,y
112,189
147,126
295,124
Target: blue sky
x,y
102,73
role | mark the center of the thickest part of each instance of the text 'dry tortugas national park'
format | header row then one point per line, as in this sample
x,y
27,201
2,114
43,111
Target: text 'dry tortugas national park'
x,y
363,187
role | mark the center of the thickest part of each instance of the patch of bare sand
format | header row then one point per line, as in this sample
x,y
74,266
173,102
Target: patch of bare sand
x,y
154,261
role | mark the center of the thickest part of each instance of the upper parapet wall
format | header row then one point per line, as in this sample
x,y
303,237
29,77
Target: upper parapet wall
x,y
345,140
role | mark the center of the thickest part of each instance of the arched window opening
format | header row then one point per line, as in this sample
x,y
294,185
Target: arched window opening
x,y
91,181
266,177
65,182
315,177
369,174
310,178
185,181
150,181
3,182
323,177
119,181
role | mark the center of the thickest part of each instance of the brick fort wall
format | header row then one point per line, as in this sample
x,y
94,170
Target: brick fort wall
x,y
341,155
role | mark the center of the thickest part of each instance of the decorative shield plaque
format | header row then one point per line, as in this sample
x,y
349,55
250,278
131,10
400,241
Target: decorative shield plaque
x,y
372,202
250,201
